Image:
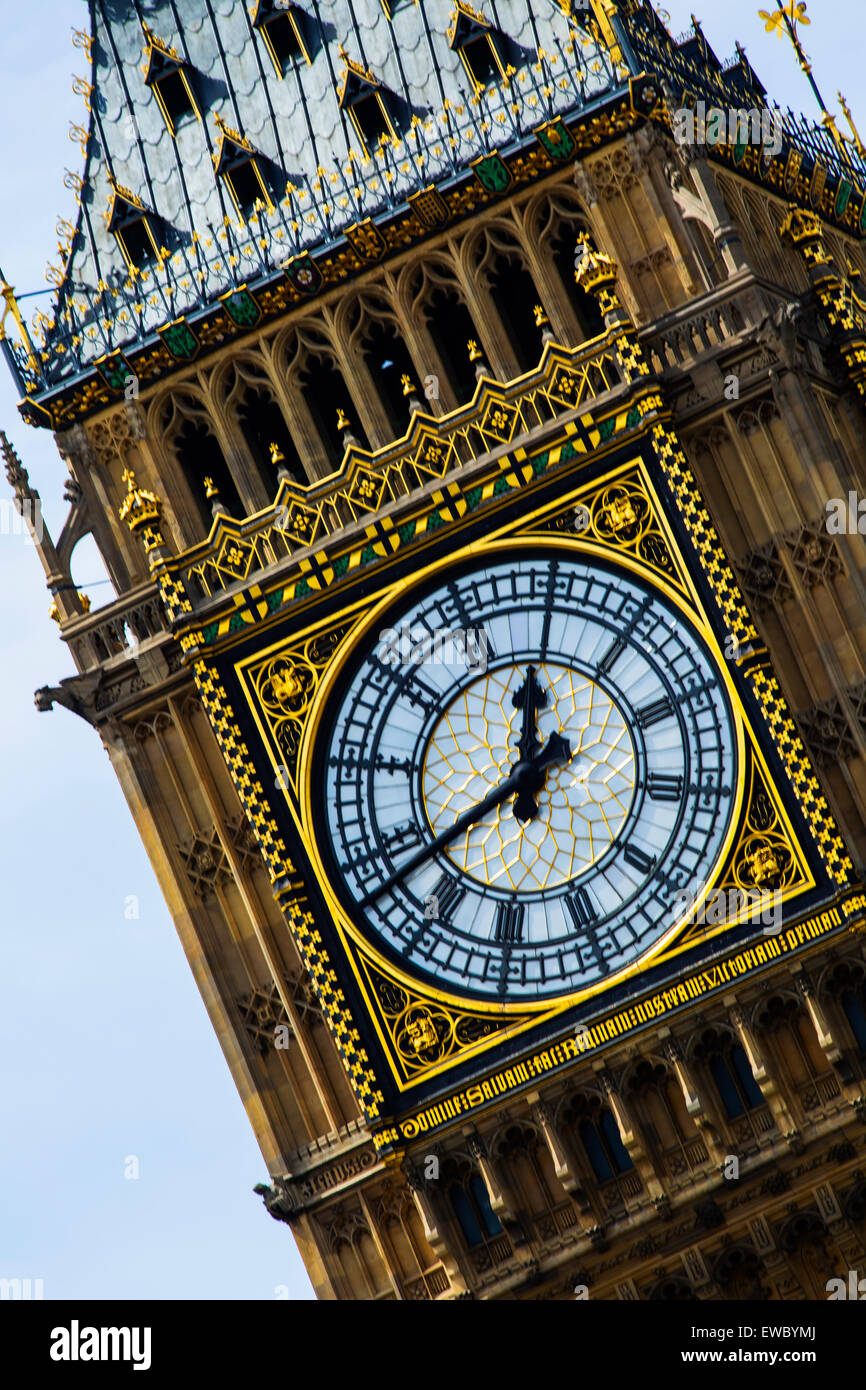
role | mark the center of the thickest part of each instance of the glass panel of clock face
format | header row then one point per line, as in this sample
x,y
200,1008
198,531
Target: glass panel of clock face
x,y
516,846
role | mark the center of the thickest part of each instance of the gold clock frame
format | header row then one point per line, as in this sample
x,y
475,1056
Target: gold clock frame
x,y
465,1028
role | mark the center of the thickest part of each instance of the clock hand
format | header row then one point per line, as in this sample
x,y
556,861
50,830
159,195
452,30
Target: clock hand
x,y
533,759
533,775
525,774
530,697
463,822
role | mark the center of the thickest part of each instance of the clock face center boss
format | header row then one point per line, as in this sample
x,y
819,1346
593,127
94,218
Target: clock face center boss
x,y
523,831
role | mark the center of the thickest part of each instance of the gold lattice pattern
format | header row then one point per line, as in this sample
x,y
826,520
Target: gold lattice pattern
x,y
333,1001
280,867
424,1031
365,483
583,804
766,688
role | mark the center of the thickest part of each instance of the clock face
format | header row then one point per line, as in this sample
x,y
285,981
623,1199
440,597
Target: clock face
x,y
519,769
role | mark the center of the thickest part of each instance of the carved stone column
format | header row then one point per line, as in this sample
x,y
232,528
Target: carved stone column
x,y
498,1199
434,1228
767,1083
543,1117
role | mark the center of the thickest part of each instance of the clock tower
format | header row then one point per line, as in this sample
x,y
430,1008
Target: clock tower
x,y
485,673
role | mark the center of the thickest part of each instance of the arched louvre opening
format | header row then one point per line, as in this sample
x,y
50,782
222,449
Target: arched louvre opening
x,y
262,424
200,456
450,325
470,1203
325,395
388,359
515,296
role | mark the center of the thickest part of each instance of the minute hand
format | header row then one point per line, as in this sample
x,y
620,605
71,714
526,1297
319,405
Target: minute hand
x,y
557,749
463,822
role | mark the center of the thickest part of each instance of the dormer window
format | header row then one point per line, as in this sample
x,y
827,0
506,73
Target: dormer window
x,y
131,225
169,79
392,6
282,29
366,102
239,166
471,36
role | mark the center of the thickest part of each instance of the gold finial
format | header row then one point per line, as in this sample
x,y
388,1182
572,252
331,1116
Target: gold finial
x,y
858,143
342,419
541,319
210,489
139,507
406,383
11,306
85,602
53,613
277,455
795,14
475,353
784,21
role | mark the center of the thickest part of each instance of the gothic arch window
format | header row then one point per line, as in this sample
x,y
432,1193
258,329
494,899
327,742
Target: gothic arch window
x,y
604,1147
738,1273
501,268
804,1239
437,300
846,984
669,1128
352,1246
728,1065
671,1290
792,1037
249,397
419,1270
852,1005
263,426
557,222
533,1180
470,1203
599,1136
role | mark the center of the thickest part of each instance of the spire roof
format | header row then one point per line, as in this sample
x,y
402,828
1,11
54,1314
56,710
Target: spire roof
x,y
172,97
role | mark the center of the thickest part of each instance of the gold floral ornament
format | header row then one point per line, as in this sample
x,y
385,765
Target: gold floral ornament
x,y
775,22
141,511
622,514
596,273
765,862
286,686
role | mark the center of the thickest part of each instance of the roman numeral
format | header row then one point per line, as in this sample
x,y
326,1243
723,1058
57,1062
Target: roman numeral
x,y
580,909
404,837
663,787
613,653
448,895
509,922
417,693
638,859
652,713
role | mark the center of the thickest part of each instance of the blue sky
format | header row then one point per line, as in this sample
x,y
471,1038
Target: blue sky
x,y
105,1047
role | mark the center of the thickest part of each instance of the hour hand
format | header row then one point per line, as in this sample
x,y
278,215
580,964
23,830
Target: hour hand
x,y
532,775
